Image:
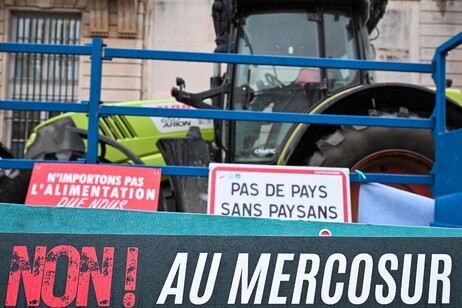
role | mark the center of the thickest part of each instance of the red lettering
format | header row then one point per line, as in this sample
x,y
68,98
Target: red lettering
x,y
31,275
132,267
72,276
102,278
39,277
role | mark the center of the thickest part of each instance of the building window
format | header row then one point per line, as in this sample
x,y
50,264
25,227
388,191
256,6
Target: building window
x,y
40,77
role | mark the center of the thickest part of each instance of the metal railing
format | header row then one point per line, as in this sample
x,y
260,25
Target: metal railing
x,y
98,52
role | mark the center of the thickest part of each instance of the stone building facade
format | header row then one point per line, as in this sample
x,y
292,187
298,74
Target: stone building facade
x,y
410,31
141,24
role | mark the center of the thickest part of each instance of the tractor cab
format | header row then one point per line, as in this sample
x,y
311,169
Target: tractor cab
x,y
313,29
303,32
336,29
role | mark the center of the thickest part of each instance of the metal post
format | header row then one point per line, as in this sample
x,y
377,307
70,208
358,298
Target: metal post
x,y
95,99
439,78
447,170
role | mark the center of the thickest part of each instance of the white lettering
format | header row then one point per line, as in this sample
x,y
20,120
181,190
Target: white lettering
x,y
178,269
388,278
419,279
326,281
278,277
241,274
354,277
310,277
210,285
443,276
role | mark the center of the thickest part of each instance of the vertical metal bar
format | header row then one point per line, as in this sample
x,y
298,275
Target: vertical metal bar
x,y
26,117
35,115
43,68
66,59
60,59
54,61
95,99
440,82
439,115
75,75
16,61
74,58
77,35
25,67
34,57
48,61
40,39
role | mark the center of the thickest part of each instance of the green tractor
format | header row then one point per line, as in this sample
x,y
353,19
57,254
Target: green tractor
x,y
326,29
122,140
294,28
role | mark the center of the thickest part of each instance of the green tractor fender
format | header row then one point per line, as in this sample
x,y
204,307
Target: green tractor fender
x,y
122,140
372,149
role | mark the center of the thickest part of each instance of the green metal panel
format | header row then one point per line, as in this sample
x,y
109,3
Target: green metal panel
x,y
16,218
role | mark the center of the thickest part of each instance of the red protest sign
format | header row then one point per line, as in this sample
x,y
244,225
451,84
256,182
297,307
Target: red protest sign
x,y
94,186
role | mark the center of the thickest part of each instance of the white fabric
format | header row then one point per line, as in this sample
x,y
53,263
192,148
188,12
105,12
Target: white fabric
x,y
384,205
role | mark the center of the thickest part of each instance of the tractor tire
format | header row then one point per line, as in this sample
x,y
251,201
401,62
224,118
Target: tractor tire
x,y
376,150
13,188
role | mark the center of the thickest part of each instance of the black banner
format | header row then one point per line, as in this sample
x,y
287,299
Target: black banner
x,y
62,270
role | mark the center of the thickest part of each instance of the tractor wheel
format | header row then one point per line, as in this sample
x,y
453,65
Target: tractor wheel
x,y
13,187
377,150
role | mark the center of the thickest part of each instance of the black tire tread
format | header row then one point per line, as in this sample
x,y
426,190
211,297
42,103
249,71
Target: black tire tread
x,y
14,190
348,144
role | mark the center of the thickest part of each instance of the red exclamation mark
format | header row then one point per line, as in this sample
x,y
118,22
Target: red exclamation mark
x,y
130,276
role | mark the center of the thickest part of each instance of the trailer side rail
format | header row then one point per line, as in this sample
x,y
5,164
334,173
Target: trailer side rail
x,y
446,175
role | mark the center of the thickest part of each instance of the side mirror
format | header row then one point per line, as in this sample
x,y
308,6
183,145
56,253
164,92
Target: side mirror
x,y
221,14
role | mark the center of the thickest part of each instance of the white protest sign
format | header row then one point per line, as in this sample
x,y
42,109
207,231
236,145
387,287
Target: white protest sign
x,y
284,192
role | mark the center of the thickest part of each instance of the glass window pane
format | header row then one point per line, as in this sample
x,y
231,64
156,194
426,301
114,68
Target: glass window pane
x,y
273,88
40,77
340,44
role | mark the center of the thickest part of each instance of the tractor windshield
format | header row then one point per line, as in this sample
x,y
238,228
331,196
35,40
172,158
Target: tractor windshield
x,y
270,88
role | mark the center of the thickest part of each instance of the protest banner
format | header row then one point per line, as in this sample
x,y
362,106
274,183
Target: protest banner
x,y
94,186
69,270
302,193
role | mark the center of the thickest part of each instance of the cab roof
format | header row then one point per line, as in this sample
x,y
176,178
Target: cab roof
x,y
371,11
